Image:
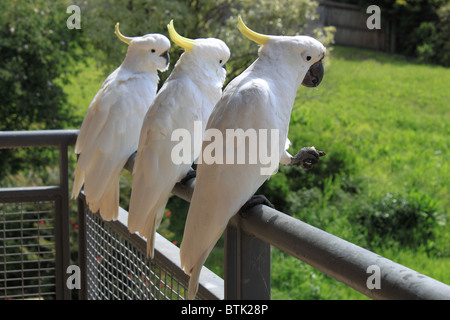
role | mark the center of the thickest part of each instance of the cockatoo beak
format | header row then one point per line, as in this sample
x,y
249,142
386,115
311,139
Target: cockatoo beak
x,y
166,56
314,75
183,42
127,40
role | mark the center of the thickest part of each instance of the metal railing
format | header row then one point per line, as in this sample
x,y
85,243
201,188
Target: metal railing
x,y
113,263
35,242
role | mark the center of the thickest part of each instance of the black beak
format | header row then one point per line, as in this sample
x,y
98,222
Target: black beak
x,y
314,75
225,66
166,56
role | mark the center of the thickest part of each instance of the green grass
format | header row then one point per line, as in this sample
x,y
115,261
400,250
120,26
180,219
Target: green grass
x,y
392,115
385,122
385,125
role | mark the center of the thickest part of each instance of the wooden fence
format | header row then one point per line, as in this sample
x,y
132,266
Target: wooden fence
x,y
351,26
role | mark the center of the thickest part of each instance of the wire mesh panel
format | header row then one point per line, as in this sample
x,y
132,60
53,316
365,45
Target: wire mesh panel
x,y
117,269
27,250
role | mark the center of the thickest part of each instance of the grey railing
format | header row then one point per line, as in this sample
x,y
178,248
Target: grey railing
x,y
124,271
247,248
247,257
21,266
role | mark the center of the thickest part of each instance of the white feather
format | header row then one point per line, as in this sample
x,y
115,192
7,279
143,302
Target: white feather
x,y
260,98
110,130
188,95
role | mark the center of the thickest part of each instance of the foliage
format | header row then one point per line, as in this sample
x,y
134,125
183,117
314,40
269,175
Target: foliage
x,y
36,48
286,17
198,19
294,186
406,221
136,18
433,39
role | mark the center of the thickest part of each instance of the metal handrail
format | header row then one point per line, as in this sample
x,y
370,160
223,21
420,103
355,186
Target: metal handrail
x,y
61,139
37,138
331,255
336,257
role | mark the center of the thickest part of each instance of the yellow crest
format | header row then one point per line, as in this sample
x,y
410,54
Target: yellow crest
x,y
183,42
127,40
250,34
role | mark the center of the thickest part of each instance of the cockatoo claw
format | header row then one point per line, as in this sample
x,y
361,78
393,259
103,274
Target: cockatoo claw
x,y
307,157
190,175
254,201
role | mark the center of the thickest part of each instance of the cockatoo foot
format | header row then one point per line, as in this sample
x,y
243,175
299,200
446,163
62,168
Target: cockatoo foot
x,y
190,175
307,157
254,201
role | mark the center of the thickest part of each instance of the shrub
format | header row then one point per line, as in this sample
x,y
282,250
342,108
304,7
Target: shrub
x,y
433,38
293,187
407,221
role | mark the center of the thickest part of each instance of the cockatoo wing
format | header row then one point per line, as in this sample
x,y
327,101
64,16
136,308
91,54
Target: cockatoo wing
x,y
155,173
109,135
222,189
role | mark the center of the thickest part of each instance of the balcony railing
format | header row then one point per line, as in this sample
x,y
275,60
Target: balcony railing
x,y
35,248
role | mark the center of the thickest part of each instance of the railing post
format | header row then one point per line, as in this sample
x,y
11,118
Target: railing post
x,y
82,251
62,234
247,265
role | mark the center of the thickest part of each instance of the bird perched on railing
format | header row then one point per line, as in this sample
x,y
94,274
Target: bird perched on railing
x,y
187,98
261,98
110,130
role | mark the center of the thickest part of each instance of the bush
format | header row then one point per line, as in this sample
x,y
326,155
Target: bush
x,y
411,221
433,39
293,187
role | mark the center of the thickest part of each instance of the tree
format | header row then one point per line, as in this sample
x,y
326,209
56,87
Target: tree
x,y
198,19
36,48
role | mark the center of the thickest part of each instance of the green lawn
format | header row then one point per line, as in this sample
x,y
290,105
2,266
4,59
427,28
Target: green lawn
x,y
392,115
385,125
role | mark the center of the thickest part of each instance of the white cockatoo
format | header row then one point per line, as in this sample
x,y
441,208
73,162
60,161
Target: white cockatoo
x,y
261,97
110,130
186,100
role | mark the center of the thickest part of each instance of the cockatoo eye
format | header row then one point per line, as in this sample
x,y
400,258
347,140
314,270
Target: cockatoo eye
x,y
307,55
220,61
153,50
